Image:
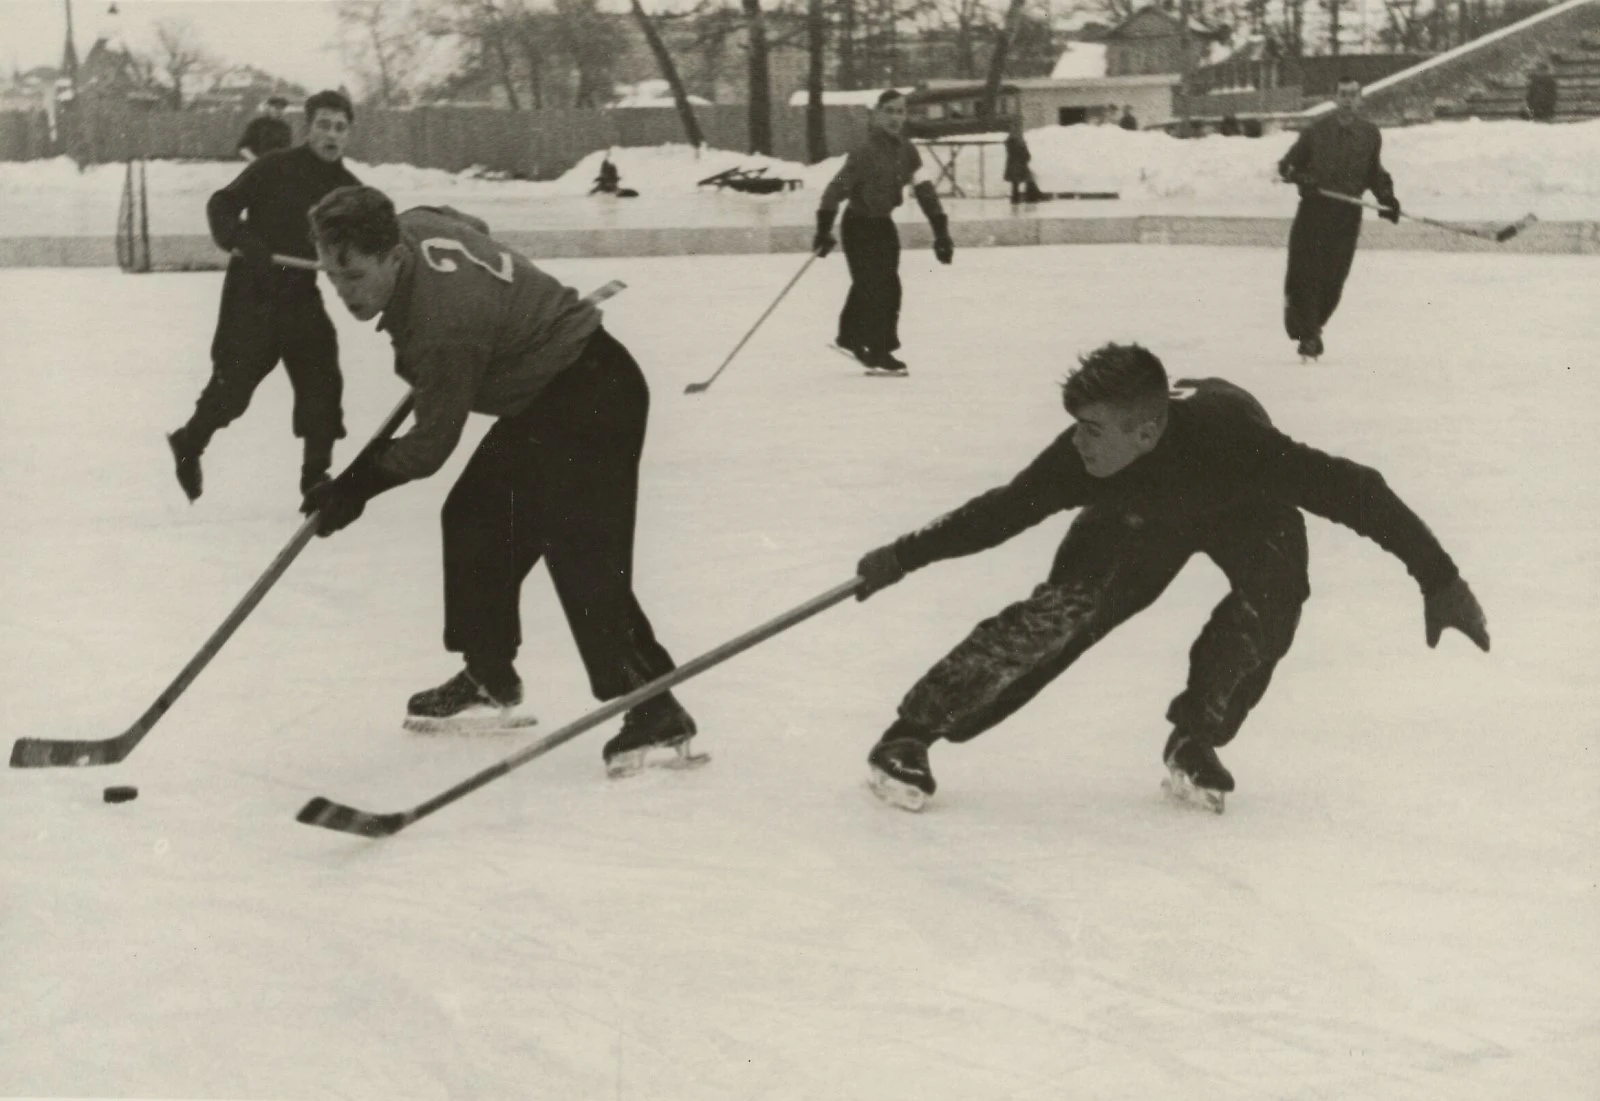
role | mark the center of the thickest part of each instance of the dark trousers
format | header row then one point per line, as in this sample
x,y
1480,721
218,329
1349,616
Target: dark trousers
x,y
1322,245
559,482
1107,569
262,320
871,315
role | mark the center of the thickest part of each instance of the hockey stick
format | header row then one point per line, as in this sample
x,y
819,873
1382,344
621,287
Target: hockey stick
x,y
1499,236
702,387
337,816
52,753
287,261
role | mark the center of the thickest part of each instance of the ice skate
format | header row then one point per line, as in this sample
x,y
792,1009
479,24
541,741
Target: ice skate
x,y
1196,775
885,365
463,705
900,774
1310,349
187,462
656,734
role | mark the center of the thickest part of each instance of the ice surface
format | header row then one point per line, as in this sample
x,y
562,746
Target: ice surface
x,y
1400,903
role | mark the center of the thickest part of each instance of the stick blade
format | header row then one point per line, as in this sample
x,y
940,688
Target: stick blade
x,y
336,816
1514,228
696,388
56,753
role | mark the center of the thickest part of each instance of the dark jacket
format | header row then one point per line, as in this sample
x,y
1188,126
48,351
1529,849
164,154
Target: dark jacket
x,y
269,201
1219,452
874,176
1343,157
265,135
1017,158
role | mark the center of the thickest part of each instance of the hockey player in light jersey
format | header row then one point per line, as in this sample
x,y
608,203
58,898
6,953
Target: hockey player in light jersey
x,y
1159,477
478,328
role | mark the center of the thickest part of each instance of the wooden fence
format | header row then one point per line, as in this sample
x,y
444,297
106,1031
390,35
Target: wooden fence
x,y
537,145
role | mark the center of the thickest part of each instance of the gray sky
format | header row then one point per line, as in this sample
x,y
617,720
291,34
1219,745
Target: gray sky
x,y
289,38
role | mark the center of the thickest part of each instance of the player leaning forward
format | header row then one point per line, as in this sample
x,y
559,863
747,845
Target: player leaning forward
x,y
1158,476
477,328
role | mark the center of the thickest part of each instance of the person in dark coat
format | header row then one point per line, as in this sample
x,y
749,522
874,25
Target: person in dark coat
x,y
268,133
1542,93
1128,122
1158,475
1017,172
1340,153
269,312
872,183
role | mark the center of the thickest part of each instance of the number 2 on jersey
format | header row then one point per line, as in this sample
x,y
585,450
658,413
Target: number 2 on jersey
x,y
504,272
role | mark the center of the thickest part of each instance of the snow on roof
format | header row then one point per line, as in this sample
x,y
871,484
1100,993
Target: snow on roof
x,y
845,97
1080,60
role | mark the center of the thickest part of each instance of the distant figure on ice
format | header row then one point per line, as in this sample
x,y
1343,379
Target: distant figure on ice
x,y
1340,153
872,182
477,328
609,180
1542,93
1159,475
267,132
1017,171
271,313
1128,121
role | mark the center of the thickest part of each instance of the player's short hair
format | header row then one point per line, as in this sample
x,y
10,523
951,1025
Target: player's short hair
x,y
1124,375
358,218
329,101
889,95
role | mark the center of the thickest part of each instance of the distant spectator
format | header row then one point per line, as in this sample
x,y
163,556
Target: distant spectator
x,y
1252,128
1229,127
1542,93
1017,172
1128,122
609,182
266,133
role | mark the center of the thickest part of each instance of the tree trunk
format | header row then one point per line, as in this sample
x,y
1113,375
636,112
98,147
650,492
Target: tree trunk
x,y
997,60
816,117
669,73
760,79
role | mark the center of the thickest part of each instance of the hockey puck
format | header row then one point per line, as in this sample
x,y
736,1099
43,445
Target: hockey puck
x,y
121,794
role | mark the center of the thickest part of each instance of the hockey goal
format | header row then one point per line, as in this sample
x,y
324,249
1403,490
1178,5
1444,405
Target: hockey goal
x,y
133,220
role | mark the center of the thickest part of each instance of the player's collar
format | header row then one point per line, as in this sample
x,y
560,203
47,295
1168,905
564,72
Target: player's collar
x,y
397,312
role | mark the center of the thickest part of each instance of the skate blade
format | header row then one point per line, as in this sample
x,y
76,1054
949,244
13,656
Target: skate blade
x,y
897,793
1182,790
674,757
873,372
486,722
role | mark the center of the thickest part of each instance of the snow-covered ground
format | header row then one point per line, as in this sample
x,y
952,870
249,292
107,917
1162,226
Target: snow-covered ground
x,y
1469,170
1399,905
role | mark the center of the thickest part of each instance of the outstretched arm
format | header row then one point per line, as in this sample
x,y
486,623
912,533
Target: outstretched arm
x,y
1051,483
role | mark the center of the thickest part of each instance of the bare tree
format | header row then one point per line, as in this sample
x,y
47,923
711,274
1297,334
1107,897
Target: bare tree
x,y
816,58
382,43
591,41
485,30
997,60
179,54
760,78
669,73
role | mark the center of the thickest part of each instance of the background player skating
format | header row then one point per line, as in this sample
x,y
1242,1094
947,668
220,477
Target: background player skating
x,y
268,312
1338,153
872,183
477,328
1158,477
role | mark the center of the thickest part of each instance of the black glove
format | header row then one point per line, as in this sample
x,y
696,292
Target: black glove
x,y
1453,605
943,248
824,241
340,503
878,569
1391,208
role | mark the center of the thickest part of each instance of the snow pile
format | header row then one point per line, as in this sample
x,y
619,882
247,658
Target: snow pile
x,y
1507,161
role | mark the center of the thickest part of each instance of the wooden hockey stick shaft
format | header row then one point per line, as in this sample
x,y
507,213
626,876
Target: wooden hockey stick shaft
x,y
702,387
1502,235
49,752
346,819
